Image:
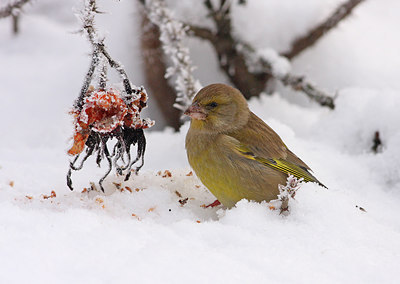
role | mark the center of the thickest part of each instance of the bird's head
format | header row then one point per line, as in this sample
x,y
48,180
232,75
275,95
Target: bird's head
x,y
218,108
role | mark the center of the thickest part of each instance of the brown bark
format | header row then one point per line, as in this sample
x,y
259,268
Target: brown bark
x,y
304,42
154,69
230,59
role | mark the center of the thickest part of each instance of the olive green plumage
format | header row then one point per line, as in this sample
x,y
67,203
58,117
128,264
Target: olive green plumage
x,y
233,152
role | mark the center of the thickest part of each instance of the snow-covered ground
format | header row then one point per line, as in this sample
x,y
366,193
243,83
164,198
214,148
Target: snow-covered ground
x,y
147,235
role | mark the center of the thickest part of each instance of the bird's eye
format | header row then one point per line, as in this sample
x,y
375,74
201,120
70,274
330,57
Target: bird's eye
x,y
212,105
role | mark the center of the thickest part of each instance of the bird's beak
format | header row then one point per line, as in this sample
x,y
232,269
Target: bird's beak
x,y
195,111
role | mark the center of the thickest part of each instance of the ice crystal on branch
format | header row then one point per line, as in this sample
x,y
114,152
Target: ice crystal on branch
x,y
288,191
102,114
172,35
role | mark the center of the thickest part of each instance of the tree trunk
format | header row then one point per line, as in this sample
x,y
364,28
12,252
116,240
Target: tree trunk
x,y
154,69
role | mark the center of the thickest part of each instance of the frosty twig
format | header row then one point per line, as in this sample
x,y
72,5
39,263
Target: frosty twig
x,y
87,17
299,83
173,33
288,191
278,67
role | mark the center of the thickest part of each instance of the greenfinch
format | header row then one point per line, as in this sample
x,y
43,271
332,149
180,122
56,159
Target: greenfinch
x,y
234,153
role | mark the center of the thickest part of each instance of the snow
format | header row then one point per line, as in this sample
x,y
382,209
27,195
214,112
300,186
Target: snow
x,y
280,66
94,238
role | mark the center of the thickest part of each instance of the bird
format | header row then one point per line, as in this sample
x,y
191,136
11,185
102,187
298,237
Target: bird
x,y
233,152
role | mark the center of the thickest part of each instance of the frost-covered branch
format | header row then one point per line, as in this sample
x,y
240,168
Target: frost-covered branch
x,y
261,64
304,42
172,35
98,43
279,68
288,191
13,8
99,50
299,83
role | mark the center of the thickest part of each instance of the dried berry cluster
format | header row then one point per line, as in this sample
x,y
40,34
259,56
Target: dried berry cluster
x,y
102,114
105,115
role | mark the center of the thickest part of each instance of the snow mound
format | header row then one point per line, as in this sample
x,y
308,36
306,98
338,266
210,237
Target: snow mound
x,y
153,229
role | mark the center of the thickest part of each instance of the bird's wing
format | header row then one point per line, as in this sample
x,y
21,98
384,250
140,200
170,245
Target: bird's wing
x,y
257,141
277,164
260,139
263,141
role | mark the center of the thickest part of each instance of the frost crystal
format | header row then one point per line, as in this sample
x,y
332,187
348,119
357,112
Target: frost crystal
x,y
173,33
291,187
288,190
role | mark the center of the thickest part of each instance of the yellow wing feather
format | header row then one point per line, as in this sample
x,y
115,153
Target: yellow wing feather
x,y
279,165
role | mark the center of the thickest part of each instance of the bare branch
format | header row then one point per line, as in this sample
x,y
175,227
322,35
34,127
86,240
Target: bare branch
x,y
304,42
12,8
201,32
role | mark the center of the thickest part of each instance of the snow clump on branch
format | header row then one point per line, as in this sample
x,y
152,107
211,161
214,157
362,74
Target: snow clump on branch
x,y
280,66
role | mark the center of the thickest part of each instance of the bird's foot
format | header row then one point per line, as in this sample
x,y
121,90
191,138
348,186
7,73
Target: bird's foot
x,y
212,205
